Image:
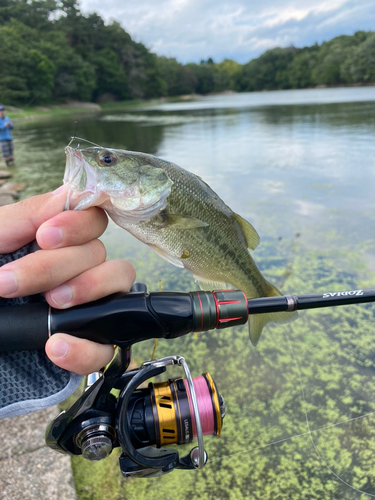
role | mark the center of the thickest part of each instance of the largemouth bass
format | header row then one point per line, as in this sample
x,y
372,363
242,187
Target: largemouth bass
x,y
177,214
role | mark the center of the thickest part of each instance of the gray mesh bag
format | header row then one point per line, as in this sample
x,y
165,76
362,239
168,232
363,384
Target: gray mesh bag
x,y
29,381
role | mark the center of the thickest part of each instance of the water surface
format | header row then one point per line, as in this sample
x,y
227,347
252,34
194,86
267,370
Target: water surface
x,y
299,165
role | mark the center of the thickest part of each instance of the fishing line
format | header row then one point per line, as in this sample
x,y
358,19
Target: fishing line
x,y
75,130
283,440
204,405
74,134
85,140
143,256
66,205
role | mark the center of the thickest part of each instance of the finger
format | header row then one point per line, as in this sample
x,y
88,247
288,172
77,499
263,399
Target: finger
x,y
72,228
109,277
20,221
46,269
78,355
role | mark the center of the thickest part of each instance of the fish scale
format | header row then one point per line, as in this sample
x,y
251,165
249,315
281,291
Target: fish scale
x,y
177,214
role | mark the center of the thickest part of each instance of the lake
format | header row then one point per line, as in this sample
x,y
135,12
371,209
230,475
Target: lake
x,y
299,165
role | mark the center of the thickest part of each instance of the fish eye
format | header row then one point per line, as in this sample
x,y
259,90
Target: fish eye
x,y
107,159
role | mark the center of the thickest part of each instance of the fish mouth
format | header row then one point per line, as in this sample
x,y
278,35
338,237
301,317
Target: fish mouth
x,y
81,180
134,202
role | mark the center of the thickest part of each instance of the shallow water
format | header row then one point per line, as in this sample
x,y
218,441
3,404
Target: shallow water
x,y
299,165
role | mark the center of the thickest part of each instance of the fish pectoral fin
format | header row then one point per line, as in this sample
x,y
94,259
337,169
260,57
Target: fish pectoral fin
x,y
208,285
181,221
252,237
167,256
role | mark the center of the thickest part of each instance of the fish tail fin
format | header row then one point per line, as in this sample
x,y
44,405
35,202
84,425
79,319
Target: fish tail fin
x,y
258,321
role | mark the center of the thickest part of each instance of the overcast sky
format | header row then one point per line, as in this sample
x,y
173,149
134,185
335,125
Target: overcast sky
x,y
191,30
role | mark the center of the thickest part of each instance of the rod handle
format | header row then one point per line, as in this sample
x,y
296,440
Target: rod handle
x,y
24,327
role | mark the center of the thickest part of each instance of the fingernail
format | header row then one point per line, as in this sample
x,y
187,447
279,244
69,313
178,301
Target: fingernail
x,y
61,295
8,283
59,189
59,348
50,237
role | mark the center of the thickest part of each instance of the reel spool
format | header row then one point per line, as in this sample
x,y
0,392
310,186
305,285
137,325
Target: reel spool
x,y
170,412
163,414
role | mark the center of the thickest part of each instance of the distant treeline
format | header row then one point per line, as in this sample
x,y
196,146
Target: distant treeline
x,y
50,51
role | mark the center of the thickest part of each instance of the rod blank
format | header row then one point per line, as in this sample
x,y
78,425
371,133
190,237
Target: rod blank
x,y
311,301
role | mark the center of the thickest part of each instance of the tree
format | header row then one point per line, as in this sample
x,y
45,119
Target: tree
x,y
204,75
269,71
40,76
33,13
51,50
178,79
301,69
362,64
227,75
13,61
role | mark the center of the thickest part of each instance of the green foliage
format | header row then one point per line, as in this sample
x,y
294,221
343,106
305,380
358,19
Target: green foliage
x,y
301,70
51,51
342,60
362,64
227,75
40,75
269,71
13,56
204,75
178,79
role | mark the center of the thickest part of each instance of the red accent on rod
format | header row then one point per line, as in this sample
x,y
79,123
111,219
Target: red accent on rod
x,y
200,303
229,319
230,302
217,309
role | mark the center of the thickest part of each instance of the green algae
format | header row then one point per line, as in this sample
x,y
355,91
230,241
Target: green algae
x,y
321,365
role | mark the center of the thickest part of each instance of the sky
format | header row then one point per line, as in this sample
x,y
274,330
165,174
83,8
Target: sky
x,y
192,30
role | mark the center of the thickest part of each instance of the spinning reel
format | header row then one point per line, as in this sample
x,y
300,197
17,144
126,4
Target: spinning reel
x,y
141,421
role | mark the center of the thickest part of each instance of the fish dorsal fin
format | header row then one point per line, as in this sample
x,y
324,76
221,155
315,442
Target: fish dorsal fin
x,y
252,237
182,221
202,180
208,285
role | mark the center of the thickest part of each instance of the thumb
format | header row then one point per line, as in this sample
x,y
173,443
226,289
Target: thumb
x,y
78,355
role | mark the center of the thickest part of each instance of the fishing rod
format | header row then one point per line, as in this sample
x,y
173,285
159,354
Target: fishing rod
x,y
144,421
126,318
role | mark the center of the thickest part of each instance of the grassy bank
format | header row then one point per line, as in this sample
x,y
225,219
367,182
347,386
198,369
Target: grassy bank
x,y
74,108
39,112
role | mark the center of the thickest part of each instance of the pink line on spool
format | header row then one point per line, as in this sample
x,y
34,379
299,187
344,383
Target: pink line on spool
x,y
206,411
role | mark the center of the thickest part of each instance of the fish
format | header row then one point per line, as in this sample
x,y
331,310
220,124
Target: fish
x,y
175,213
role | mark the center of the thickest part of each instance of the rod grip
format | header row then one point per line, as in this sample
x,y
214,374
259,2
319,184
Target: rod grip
x,y
26,330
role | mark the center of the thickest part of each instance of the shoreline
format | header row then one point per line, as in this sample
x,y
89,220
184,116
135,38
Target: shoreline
x,y
33,113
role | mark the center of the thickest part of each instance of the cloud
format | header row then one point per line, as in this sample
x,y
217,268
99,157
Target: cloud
x,y
191,30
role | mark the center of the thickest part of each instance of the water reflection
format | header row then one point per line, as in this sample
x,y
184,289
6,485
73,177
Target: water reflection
x,y
290,162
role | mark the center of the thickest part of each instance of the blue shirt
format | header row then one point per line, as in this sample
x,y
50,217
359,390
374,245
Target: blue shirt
x,y
5,132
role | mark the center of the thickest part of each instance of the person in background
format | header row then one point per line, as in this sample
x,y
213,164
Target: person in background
x,y
6,139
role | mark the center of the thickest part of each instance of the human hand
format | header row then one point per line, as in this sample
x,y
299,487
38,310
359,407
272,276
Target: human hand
x,y
8,124
71,268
